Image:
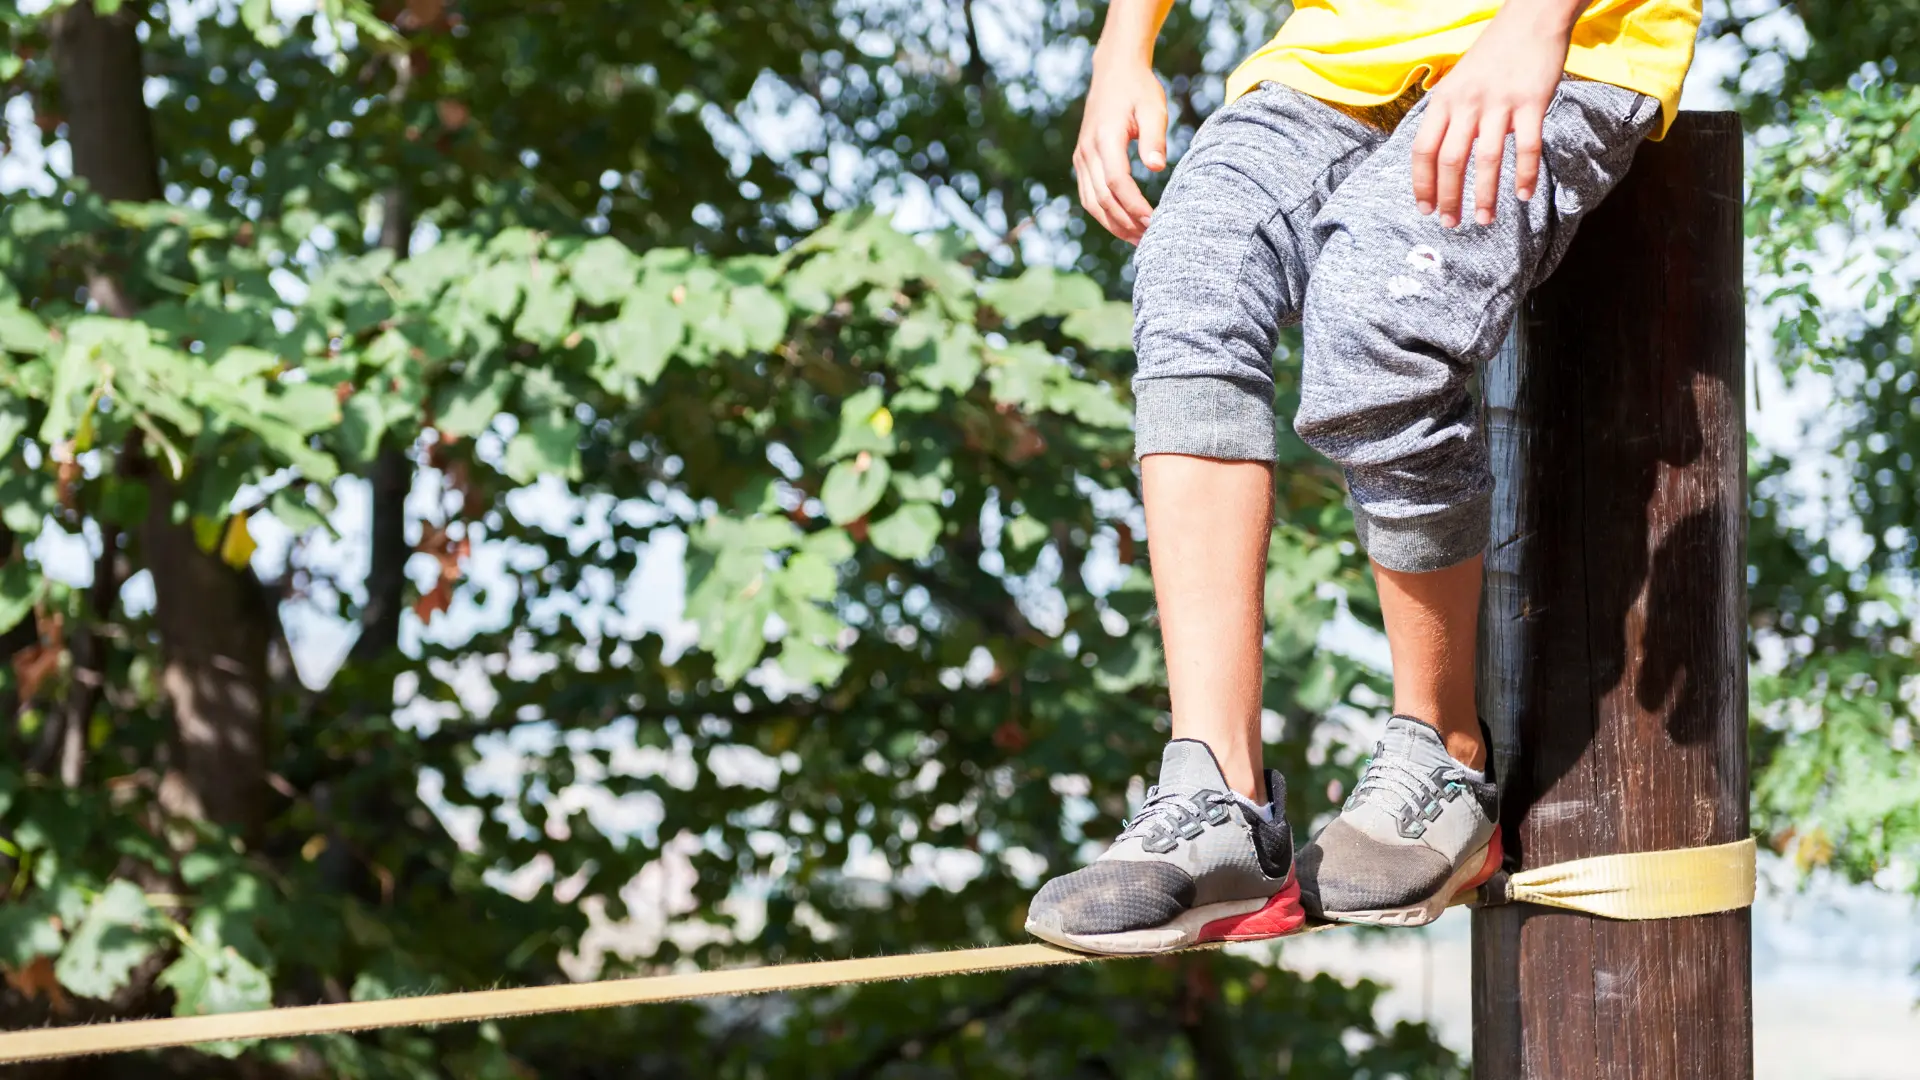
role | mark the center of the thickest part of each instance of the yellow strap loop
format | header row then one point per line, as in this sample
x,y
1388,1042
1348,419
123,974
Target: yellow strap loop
x,y
1644,885
1650,885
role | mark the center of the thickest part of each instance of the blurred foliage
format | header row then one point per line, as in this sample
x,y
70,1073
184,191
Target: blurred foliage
x,y
1834,599
919,668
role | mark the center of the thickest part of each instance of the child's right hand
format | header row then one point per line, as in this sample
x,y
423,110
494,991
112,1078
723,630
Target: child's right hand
x,y
1125,102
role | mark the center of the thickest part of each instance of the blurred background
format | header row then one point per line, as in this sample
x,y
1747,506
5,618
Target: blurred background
x,y
498,493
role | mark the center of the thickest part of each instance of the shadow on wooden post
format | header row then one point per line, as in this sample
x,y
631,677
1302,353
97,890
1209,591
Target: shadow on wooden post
x,y
1613,658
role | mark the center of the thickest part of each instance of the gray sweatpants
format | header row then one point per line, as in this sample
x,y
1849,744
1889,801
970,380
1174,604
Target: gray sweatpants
x,y
1286,209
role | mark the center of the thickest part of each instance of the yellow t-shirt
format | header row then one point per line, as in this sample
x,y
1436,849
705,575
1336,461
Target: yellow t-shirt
x,y
1367,52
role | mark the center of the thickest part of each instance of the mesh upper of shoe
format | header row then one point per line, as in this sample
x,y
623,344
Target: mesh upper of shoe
x,y
1369,875
1407,826
1192,843
1113,897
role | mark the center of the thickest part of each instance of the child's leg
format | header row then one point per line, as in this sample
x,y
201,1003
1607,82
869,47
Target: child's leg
x,y
1222,266
1399,311
1432,621
1208,521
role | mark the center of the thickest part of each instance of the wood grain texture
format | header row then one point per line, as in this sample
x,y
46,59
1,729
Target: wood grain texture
x,y
1613,658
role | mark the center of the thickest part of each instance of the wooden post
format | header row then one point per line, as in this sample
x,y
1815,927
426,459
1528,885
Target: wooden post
x,y
1613,659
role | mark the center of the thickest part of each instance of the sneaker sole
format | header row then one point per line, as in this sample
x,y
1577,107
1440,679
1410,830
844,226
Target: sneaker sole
x,y
1230,920
1472,874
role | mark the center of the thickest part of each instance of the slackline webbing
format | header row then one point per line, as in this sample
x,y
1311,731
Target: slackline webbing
x,y
1650,885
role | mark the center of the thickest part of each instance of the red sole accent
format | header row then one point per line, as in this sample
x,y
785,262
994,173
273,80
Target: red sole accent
x,y
1494,857
1281,916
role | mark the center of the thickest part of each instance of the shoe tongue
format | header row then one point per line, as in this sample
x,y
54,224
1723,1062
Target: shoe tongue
x,y
1188,766
1411,740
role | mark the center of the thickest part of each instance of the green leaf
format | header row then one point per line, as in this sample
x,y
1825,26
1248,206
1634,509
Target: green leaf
x,y
1134,662
908,533
424,275
832,545
28,930
547,445
291,509
467,407
1089,402
741,636
807,576
254,14
760,314
914,400
21,331
25,501
216,980
1041,291
243,363
1024,531
74,376
862,426
927,482
643,338
810,664
853,487
937,354
1107,326
495,291
20,588
514,244
1023,375
307,407
361,425
604,271
14,421
548,315
110,942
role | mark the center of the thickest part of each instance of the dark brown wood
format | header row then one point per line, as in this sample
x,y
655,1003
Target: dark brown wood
x,y
1613,659
214,622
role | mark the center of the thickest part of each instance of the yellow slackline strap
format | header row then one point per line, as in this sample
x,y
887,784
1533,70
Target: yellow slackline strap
x,y
1645,885
489,1004
1653,885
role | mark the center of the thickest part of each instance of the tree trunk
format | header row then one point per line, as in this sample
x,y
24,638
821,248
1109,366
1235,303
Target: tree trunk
x,y
213,629
390,480
1613,659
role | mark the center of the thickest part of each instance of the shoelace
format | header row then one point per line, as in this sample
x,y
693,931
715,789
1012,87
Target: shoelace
x,y
1415,794
1166,818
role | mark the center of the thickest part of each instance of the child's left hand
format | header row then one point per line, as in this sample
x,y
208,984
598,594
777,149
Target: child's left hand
x,y
1503,84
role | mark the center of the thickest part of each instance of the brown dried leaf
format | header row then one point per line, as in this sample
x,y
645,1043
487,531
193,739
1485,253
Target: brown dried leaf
x,y
33,664
435,600
37,978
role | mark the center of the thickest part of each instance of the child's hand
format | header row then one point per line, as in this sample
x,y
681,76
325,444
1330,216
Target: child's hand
x,y
1504,83
1124,103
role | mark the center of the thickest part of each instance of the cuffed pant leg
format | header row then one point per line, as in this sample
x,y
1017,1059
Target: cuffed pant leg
x,y
1224,265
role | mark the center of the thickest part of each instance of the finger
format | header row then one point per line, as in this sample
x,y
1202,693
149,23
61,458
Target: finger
x,y
1153,134
1451,165
1489,150
1118,173
1526,151
1103,207
1426,149
1089,193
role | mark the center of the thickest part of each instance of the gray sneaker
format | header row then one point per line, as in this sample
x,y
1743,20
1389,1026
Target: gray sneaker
x,y
1418,830
1196,864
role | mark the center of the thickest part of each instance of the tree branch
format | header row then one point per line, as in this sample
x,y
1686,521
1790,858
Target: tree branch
x,y
89,659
